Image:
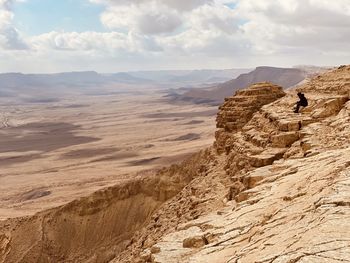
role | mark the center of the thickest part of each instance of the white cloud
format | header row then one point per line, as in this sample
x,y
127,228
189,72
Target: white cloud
x,y
183,5
194,33
9,36
112,43
283,25
209,29
214,18
146,18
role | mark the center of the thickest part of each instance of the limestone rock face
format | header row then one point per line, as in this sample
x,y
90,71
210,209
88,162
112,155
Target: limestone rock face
x,y
287,199
290,215
239,109
335,82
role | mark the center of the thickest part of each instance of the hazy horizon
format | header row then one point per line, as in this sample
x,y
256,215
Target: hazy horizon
x,y
162,70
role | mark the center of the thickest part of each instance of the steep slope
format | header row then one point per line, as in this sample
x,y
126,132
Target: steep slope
x,y
285,77
98,227
287,199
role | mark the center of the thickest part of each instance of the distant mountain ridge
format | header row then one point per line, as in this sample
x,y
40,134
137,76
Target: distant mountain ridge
x,y
285,77
138,77
198,86
50,87
188,77
65,78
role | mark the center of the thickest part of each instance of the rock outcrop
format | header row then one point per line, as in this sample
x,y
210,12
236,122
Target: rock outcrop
x,y
274,188
239,109
287,199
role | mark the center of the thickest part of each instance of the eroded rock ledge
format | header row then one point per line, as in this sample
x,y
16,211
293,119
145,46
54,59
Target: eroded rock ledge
x,y
239,109
287,182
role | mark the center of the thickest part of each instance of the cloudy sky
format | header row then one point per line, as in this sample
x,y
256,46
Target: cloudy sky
x,y
122,35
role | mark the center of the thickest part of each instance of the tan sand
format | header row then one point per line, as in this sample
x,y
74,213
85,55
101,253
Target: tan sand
x,y
54,153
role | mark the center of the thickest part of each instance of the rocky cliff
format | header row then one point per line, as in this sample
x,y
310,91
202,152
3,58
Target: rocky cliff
x,y
275,187
239,109
278,192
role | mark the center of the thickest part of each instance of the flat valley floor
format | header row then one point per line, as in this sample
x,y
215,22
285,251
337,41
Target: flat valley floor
x,y
53,153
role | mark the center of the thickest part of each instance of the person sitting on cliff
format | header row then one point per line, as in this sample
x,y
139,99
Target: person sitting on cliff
x,y
301,103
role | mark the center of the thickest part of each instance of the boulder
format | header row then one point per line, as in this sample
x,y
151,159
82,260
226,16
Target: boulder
x,y
195,242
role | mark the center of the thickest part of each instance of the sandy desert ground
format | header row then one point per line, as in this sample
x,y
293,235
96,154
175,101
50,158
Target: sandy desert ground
x,y
52,153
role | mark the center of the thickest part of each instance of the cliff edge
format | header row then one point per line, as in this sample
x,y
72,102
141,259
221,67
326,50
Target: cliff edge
x,y
275,187
278,189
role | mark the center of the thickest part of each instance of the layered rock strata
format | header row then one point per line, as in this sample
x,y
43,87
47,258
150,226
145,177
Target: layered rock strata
x,y
239,109
288,197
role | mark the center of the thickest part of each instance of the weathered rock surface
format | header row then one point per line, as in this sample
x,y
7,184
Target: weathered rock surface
x,y
288,200
289,216
275,188
232,117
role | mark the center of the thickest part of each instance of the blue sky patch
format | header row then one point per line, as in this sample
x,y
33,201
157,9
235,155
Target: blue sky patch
x,y
231,5
35,17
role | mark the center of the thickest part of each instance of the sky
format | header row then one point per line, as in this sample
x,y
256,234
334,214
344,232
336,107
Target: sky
x,y
38,36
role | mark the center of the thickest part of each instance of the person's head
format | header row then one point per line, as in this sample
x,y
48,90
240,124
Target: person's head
x,y
300,94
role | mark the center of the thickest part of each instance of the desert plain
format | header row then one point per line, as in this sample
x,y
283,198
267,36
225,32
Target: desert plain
x,y
52,152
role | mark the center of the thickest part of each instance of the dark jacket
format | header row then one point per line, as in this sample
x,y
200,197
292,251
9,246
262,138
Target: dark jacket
x,y
303,101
